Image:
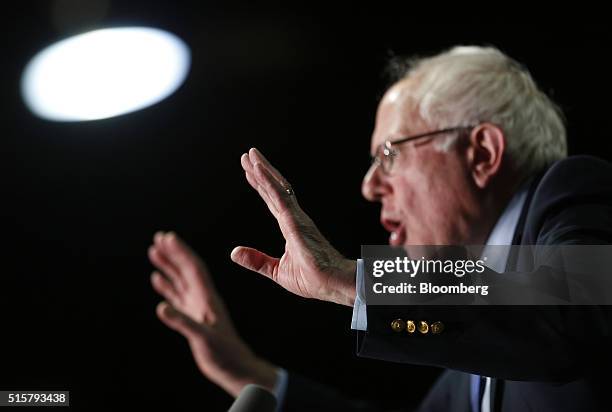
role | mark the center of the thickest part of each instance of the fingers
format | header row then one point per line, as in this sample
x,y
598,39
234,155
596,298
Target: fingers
x,y
257,157
249,163
288,212
160,260
250,176
165,288
248,160
181,255
178,261
256,261
275,192
272,187
263,192
178,321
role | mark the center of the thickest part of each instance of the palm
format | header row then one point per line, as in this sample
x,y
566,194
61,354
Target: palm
x,y
292,278
192,301
298,271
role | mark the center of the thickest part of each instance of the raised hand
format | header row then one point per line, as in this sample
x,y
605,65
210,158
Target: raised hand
x,y
194,308
310,266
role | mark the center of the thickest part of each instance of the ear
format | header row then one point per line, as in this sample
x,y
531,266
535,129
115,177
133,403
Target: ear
x,y
485,152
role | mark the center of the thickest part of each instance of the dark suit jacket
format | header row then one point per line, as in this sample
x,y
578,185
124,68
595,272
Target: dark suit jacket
x,y
542,358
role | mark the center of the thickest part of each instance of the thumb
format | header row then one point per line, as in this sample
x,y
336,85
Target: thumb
x,y
177,320
256,261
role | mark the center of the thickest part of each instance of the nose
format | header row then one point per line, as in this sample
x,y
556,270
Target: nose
x,y
374,185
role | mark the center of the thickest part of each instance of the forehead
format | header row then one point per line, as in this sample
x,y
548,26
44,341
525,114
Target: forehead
x,y
394,117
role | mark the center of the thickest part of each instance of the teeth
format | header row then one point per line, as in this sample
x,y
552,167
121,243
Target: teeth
x,y
393,235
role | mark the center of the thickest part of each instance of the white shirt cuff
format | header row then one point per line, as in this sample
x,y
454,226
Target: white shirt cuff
x,y
360,319
280,389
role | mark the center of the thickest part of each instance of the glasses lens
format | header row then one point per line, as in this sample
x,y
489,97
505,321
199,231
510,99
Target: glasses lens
x,y
387,162
383,158
387,154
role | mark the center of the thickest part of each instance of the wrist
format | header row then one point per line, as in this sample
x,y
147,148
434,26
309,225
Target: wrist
x,y
266,374
344,286
260,372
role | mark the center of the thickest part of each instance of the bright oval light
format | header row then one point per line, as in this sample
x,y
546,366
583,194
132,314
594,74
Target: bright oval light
x,y
104,73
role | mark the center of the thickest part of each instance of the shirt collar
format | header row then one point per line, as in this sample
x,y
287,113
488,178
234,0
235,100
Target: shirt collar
x,y
503,231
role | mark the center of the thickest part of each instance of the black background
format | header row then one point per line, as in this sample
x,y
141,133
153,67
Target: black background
x,y
81,201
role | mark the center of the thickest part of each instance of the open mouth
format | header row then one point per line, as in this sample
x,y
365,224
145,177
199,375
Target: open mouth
x,y
396,229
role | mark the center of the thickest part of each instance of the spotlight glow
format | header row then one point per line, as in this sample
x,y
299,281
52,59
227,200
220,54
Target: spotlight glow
x,y
104,73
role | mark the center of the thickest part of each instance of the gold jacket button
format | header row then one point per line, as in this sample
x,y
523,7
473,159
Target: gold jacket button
x,y
410,326
437,327
423,327
398,325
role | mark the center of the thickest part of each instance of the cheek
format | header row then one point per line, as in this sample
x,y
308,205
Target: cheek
x,y
411,191
427,204
416,201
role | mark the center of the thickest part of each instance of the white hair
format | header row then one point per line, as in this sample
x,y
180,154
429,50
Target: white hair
x,y
467,85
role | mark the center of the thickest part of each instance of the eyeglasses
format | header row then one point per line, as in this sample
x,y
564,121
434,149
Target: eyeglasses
x,y
385,153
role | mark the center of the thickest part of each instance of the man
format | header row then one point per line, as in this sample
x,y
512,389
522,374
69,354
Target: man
x,y
467,150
